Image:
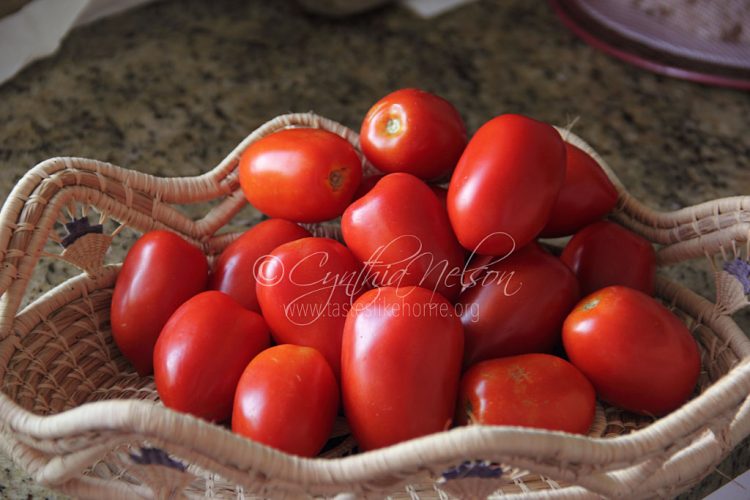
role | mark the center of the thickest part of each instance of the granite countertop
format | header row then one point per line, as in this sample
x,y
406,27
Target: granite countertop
x,y
172,87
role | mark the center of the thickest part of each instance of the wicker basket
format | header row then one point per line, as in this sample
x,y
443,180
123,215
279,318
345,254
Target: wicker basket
x,y
75,416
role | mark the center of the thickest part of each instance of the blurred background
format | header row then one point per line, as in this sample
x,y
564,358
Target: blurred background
x,y
170,88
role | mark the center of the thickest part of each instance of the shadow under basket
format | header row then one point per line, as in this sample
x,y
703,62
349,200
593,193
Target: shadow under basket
x,y
77,418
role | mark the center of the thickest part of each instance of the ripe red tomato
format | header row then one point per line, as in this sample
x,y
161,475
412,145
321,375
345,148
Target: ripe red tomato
x,y
237,266
505,184
287,398
518,306
202,352
402,234
530,390
638,355
413,131
303,174
160,272
606,253
400,365
587,195
305,289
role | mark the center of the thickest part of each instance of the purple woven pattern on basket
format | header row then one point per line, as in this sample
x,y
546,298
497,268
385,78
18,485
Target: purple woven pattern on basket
x,y
740,269
474,468
77,228
155,456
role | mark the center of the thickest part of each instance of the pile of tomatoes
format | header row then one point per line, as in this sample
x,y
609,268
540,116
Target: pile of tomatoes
x,y
439,308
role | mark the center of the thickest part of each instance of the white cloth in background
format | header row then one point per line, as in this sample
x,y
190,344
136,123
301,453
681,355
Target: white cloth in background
x,y
36,30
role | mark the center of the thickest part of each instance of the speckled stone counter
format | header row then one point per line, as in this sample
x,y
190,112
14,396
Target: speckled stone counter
x,y
172,87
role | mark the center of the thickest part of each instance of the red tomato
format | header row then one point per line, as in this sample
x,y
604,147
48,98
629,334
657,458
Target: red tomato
x,y
638,355
305,289
400,365
366,185
202,351
530,390
505,184
587,195
518,306
303,174
413,131
160,272
237,266
606,253
402,234
287,398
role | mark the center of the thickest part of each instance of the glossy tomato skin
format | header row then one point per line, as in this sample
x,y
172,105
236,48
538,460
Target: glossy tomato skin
x,y
237,266
302,175
305,289
505,184
586,196
530,390
400,365
402,234
517,306
160,272
637,354
413,131
202,352
287,398
605,254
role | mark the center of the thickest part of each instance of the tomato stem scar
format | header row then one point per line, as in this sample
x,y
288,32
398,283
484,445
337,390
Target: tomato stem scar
x,y
336,178
590,304
393,125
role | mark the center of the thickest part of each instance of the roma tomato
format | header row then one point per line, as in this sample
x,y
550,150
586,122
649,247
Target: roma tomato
x,y
402,234
413,131
517,306
606,253
202,352
530,390
160,272
400,365
303,174
505,184
638,355
287,398
237,266
305,289
587,195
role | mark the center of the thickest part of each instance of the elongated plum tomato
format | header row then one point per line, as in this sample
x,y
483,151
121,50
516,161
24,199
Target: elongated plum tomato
x,y
400,365
413,131
587,195
402,234
505,184
305,289
638,355
237,266
303,174
202,352
160,272
605,254
517,306
530,390
287,398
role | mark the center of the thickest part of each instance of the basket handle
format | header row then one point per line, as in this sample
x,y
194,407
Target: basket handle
x,y
51,190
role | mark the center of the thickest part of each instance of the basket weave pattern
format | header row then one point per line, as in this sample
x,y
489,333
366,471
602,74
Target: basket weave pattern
x,y
75,415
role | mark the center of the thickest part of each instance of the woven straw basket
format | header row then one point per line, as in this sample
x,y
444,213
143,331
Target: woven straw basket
x,y
78,419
